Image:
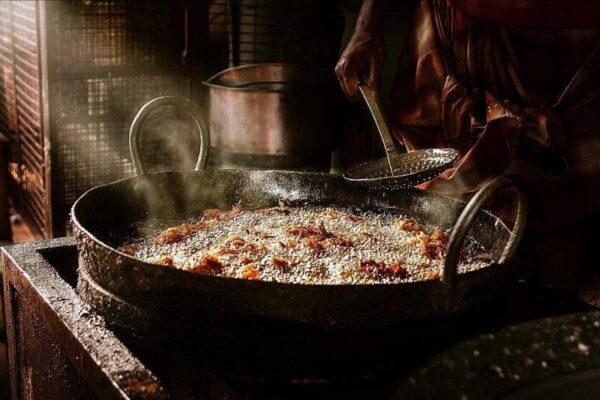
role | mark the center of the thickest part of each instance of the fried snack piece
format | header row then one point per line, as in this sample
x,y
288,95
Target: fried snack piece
x,y
433,275
396,269
330,213
314,244
180,232
340,241
128,249
408,225
250,272
244,259
218,214
167,261
281,208
254,248
318,238
280,263
438,234
306,231
371,266
209,265
211,213
434,246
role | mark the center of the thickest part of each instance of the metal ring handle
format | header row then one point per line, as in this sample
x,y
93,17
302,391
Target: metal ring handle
x,y
146,110
467,216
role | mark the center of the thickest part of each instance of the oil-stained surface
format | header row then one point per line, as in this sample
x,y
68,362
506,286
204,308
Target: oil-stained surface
x,y
58,322
554,358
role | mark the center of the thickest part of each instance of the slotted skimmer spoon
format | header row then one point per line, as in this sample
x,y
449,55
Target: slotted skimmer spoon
x,y
397,170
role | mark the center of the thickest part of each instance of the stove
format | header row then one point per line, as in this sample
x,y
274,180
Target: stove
x,y
60,348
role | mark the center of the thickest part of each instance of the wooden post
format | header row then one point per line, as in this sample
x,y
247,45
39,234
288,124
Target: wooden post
x,y
5,232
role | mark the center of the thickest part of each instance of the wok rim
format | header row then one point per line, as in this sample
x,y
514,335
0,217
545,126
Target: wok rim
x,y
491,267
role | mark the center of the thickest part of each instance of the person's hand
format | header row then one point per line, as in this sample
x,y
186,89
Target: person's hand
x,y
361,62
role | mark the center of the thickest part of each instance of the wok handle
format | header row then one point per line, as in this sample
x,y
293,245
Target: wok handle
x,y
469,213
146,110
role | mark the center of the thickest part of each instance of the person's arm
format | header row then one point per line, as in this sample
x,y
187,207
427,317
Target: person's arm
x,y
362,59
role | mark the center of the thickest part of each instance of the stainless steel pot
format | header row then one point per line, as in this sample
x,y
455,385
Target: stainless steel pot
x,y
274,115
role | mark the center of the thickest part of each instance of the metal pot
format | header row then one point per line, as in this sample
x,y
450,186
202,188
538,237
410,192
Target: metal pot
x,y
273,115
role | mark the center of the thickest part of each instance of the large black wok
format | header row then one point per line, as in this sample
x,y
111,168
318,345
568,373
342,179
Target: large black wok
x,y
105,213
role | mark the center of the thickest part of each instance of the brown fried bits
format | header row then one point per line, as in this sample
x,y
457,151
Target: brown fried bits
x,y
318,238
128,249
209,265
408,225
179,232
250,272
167,261
379,267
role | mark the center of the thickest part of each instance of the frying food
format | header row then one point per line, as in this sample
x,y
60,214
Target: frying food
x,y
305,244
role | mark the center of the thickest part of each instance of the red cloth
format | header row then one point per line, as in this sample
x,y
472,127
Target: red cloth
x,y
466,83
535,13
481,87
